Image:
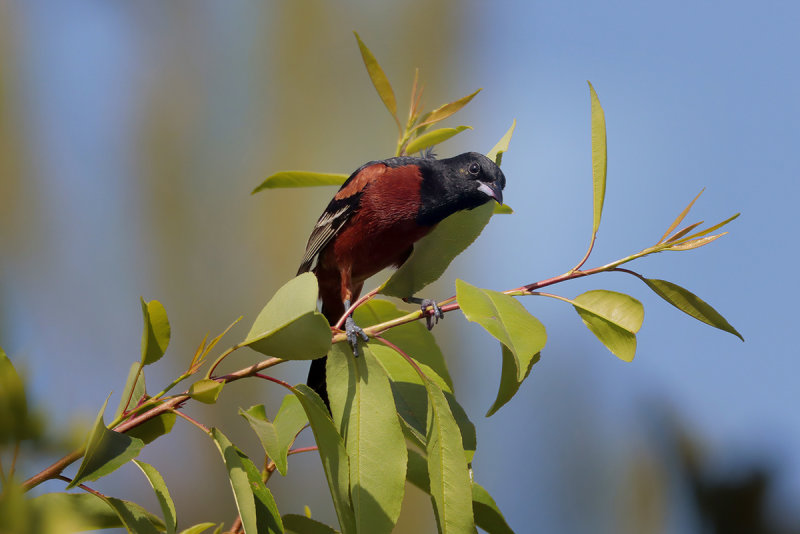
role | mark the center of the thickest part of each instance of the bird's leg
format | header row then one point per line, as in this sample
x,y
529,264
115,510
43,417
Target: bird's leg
x,y
353,331
432,319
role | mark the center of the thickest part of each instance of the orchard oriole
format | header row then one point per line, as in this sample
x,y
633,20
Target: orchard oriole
x,y
375,218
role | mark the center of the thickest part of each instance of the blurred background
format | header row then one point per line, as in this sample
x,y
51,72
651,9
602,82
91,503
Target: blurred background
x,y
131,134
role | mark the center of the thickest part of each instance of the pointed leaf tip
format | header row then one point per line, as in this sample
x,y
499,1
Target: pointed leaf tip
x,y
599,156
378,78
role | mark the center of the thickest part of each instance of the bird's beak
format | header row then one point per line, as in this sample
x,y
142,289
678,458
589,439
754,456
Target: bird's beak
x,y
492,190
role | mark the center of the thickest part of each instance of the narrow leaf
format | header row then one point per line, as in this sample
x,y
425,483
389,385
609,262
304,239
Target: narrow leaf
x,y
433,138
162,494
206,390
599,157
496,153
332,452
198,528
446,110
696,243
300,524
253,500
712,228
367,419
691,304
433,253
379,79
487,514
156,332
522,335
106,451
136,383
450,483
135,518
290,326
680,217
613,317
291,179
683,232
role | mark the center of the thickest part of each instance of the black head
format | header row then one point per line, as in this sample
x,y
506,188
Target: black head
x,y
462,182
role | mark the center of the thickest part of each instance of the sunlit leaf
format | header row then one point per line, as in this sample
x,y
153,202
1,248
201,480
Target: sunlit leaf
x,y
496,153
487,513
134,389
521,334
277,437
332,452
206,390
300,524
450,483
696,243
442,112
106,451
198,528
364,411
379,79
290,326
599,157
412,338
691,304
434,253
711,228
287,179
162,494
156,332
684,231
14,419
433,138
613,317
253,500
680,217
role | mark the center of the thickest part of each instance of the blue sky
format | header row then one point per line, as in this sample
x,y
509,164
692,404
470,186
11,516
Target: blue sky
x,y
696,95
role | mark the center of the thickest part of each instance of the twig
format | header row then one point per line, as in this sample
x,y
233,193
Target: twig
x,y
192,420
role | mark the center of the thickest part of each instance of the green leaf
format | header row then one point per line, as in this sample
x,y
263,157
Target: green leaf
x,y
496,153
286,179
206,390
502,209
487,514
411,397
14,420
289,326
445,111
696,243
162,494
363,407
156,332
136,383
300,524
690,304
613,317
710,229
680,217
278,437
433,253
433,138
449,477
198,529
134,517
332,452
61,512
379,79
106,451
522,335
253,500
417,472
412,338
153,428
599,157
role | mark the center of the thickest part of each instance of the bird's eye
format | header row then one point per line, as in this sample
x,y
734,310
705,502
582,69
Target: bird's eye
x,y
474,168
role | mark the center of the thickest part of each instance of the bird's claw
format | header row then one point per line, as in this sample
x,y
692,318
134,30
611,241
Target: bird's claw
x,y
437,314
353,332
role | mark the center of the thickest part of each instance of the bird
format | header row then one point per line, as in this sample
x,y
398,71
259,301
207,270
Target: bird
x,y
375,218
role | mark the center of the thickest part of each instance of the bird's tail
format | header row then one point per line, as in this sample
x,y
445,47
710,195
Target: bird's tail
x,y
316,373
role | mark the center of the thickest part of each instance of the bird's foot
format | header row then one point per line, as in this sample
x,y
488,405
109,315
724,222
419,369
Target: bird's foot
x,y
432,319
353,332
